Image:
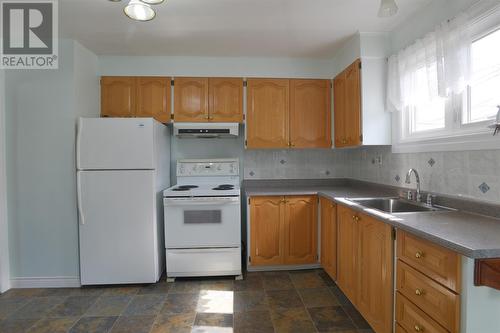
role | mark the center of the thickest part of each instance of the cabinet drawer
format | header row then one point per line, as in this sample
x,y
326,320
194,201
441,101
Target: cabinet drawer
x,y
399,329
438,263
412,319
440,303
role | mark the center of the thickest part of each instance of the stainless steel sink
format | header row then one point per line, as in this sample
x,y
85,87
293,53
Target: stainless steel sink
x,y
396,205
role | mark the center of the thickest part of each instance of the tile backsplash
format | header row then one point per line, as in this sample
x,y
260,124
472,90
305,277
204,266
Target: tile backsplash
x,y
292,164
469,174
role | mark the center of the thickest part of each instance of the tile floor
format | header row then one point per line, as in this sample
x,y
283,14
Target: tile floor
x,y
298,301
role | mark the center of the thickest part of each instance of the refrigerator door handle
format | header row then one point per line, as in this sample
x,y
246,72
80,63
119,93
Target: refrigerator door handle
x,y
78,141
79,198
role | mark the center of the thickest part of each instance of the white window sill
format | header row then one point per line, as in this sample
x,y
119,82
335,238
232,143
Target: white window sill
x,y
482,141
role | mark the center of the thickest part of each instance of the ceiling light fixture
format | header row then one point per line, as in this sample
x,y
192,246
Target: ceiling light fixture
x,y
153,2
387,8
139,11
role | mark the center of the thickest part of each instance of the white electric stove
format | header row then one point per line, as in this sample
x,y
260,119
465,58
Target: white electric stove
x,y
203,219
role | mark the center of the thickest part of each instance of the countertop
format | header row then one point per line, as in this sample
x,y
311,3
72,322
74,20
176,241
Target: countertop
x,y
472,235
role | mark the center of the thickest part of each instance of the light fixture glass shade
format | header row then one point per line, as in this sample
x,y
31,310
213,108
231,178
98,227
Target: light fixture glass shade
x,y
387,8
153,2
139,11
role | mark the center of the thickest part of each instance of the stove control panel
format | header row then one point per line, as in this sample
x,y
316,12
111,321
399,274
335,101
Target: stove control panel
x,y
208,168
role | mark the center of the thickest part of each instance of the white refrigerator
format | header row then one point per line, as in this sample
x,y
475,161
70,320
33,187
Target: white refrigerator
x,y
123,165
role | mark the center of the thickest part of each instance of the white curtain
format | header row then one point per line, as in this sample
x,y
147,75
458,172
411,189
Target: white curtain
x,y
435,66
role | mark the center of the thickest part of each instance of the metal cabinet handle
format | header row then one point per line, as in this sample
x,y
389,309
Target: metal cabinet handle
x,y
419,255
418,328
419,292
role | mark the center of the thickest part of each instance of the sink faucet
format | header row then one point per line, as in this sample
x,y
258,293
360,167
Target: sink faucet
x,y
417,178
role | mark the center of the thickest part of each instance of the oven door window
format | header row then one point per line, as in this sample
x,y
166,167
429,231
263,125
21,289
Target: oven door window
x,y
202,216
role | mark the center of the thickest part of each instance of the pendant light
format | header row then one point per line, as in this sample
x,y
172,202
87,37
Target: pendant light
x,y
387,8
139,11
153,2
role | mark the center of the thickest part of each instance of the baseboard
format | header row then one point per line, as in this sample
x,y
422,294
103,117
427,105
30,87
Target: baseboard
x,y
251,268
46,282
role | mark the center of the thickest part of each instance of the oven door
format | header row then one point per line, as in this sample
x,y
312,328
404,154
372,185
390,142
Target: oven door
x,y
202,222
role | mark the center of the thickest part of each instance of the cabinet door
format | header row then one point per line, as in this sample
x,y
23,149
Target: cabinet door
x,y
353,104
375,289
266,230
310,114
329,237
267,113
226,100
339,110
191,99
301,230
347,252
118,96
153,98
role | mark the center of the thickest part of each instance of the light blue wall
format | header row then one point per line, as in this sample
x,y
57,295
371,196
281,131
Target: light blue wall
x,y
213,66
40,116
4,240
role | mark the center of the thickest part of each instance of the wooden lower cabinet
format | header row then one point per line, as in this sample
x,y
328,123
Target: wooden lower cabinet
x,y
439,302
375,264
365,266
413,319
428,286
399,329
301,231
437,262
347,252
329,237
266,230
283,230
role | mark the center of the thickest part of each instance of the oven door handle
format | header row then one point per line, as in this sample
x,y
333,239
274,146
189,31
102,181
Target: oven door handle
x,y
201,201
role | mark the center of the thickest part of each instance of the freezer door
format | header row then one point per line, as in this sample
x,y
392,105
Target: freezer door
x,y
115,144
118,231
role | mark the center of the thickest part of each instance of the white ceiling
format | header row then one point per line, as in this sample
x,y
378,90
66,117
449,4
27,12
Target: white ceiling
x,y
233,28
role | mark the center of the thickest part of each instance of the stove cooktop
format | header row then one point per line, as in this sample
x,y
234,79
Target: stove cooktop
x,y
202,190
184,187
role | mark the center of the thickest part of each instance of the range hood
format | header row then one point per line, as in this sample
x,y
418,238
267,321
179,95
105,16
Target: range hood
x,y
206,130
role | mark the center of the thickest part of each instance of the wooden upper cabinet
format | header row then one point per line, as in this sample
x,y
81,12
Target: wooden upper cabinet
x,y
153,98
329,237
375,264
267,113
126,96
347,256
266,230
191,99
301,230
339,102
226,99
310,114
347,106
353,104
118,96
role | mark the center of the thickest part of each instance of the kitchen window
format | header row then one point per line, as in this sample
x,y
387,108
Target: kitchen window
x,y
429,121
483,93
